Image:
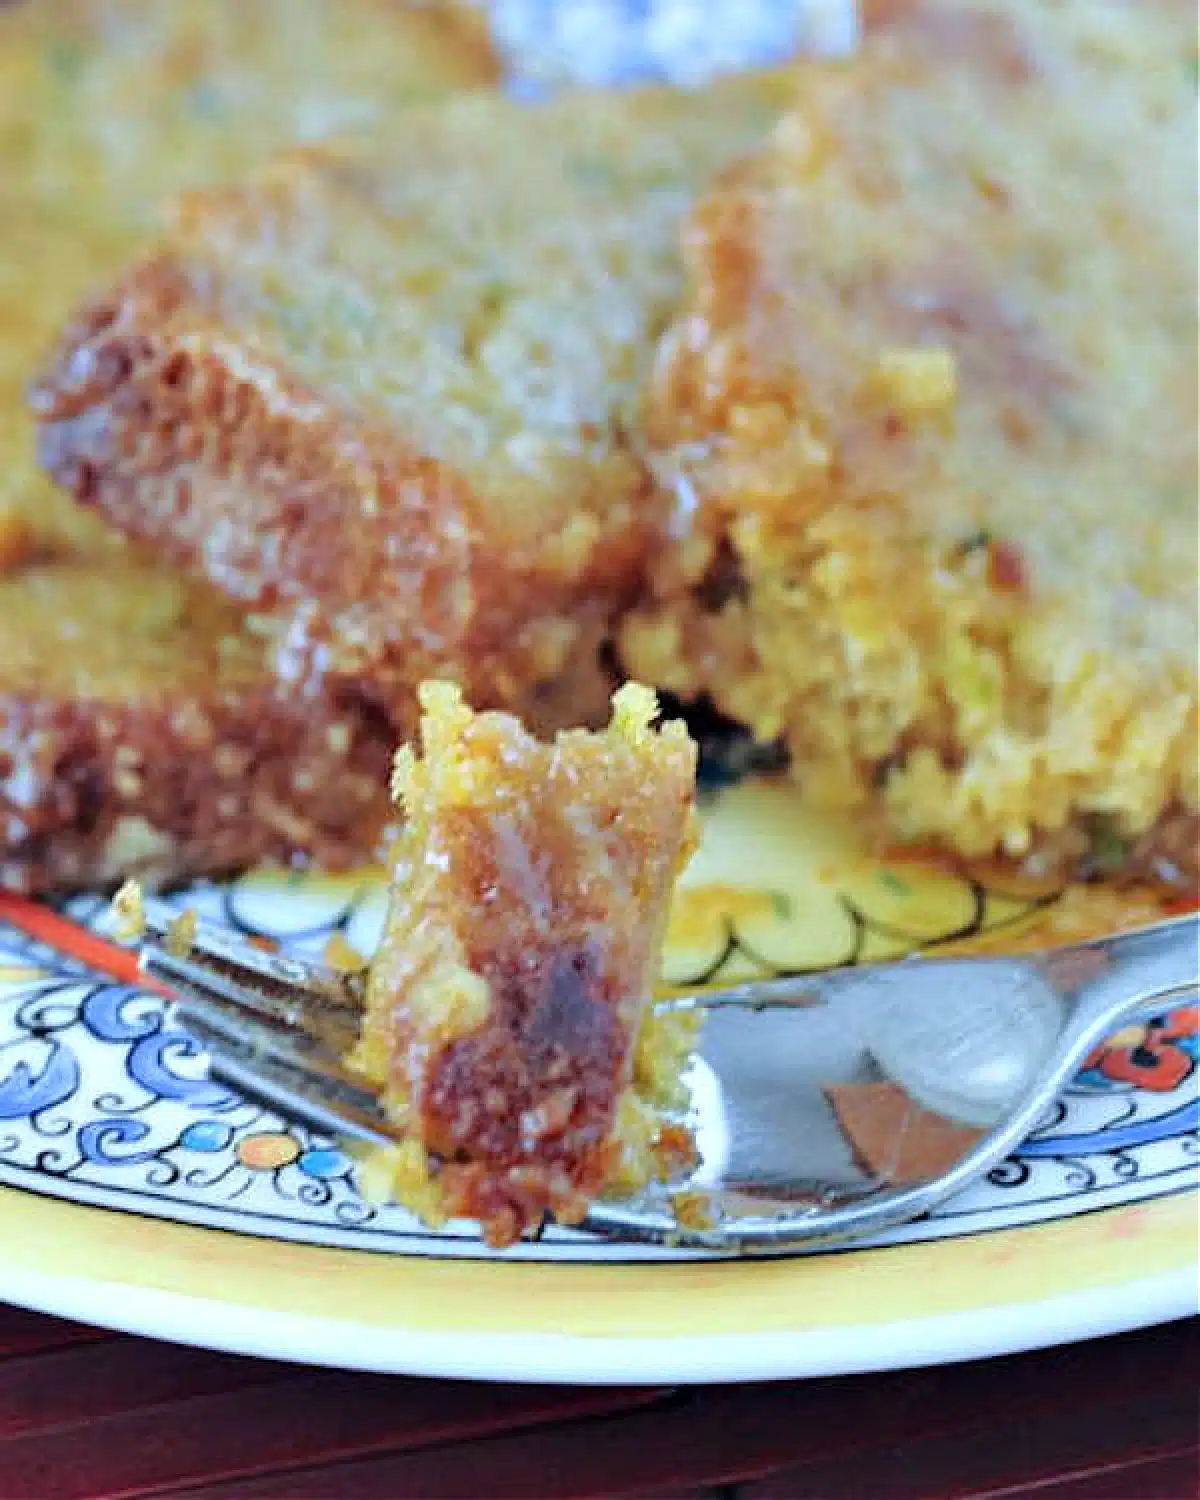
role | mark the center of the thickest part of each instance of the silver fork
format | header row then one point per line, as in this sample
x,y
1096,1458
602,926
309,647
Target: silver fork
x,y
964,1056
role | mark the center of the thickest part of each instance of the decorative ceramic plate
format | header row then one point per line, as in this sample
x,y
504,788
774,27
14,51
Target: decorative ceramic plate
x,y
138,1195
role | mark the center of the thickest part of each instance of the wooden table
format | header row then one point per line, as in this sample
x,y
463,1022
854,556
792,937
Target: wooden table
x,y
88,1415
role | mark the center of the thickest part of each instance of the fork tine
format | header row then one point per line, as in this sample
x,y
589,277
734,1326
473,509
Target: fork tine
x,y
257,1063
270,1028
256,967
330,1025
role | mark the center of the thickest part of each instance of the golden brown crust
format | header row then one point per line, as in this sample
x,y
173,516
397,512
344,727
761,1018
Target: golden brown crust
x,y
377,391
138,737
461,35
375,560
72,819
927,413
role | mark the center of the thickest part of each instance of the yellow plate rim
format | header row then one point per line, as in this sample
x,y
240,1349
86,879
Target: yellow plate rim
x,y
913,1304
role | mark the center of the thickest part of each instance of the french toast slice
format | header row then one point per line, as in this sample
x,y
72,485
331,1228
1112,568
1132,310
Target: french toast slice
x,y
127,699
141,734
107,107
928,413
378,392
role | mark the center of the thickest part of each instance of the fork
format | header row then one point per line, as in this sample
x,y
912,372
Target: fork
x,y
825,1107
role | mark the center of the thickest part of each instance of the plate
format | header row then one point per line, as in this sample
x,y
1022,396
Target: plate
x,y
140,1196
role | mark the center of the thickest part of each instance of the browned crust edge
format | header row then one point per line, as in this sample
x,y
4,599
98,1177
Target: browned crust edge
x,y
167,790
374,561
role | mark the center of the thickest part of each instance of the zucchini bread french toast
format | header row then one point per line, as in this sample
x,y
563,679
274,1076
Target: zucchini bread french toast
x,y
378,392
141,731
109,107
507,1022
927,412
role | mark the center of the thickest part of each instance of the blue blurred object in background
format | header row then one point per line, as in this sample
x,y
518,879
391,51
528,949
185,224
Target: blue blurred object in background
x,y
604,42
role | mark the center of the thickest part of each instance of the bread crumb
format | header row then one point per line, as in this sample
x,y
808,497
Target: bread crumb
x,y
634,710
128,912
181,935
921,382
693,1210
400,1174
342,955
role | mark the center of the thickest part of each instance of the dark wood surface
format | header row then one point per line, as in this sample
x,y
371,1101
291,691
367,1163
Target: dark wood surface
x,y
88,1415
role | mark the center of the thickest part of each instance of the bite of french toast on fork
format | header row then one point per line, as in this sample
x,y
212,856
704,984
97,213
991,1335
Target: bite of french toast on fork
x,y
507,1023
